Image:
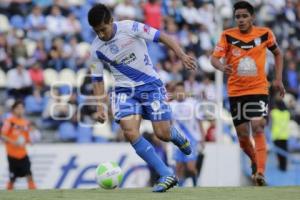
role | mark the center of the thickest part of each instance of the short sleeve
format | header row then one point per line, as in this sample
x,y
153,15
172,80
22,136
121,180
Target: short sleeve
x,y
142,30
96,68
271,43
221,47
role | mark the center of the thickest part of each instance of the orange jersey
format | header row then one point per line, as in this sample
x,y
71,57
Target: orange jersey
x,y
247,55
16,129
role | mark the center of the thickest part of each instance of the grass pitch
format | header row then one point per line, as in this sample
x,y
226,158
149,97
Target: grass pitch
x,y
221,193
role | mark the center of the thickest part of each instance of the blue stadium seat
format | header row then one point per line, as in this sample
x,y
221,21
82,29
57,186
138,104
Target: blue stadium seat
x,y
32,105
84,134
65,90
67,131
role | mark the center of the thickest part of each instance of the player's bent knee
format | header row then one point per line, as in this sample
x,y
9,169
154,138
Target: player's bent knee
x,y
131,135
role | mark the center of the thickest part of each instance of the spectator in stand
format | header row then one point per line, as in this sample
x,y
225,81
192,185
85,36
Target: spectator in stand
x,y
36,75
163,74
125,10
190,13
40,54
5,60
208,88
72,26
192,86
152,14
36,24
56,55
71,54
292,79
173,10
18,81
19,49
55,22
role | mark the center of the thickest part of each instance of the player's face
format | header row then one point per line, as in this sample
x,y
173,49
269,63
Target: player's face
x,y
179,93
243,19
104,31
19,110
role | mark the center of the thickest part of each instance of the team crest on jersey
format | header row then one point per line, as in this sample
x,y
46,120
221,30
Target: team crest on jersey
x,y
114,49
155,105
257,41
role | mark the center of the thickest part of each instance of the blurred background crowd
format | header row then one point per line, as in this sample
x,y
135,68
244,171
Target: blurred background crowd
x,y
44,58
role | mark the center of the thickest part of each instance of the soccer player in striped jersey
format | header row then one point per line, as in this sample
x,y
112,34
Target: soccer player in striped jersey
x,y
139,93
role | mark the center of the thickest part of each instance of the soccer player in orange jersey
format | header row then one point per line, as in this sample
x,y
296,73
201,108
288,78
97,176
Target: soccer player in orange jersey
x,y
244,49
15,133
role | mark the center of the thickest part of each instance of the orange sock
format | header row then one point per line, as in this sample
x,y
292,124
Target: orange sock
x,y
10,186
31,185
248,148
261,151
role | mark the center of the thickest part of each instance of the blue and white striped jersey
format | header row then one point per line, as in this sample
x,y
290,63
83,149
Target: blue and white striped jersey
x,y
126,53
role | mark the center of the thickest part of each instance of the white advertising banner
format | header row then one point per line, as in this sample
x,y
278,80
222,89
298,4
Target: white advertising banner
x,y
73,165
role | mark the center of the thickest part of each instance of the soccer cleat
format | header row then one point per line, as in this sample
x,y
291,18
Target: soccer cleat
x,y
259,179
165,183
186,147
181,141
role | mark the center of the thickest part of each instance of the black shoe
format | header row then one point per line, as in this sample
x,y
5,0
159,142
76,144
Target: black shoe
x,y
165,183
259,179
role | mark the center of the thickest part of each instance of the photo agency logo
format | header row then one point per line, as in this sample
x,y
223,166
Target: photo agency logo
x,y
69,103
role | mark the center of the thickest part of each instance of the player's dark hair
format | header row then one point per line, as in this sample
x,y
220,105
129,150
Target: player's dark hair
x,y
243,5
99,14
16,104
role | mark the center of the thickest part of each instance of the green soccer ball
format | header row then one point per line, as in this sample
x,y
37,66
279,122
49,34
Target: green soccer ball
x,y
109,175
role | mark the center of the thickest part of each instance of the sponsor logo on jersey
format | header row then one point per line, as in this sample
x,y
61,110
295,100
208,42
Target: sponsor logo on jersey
x,y
155,105
257,41
247,46
127,60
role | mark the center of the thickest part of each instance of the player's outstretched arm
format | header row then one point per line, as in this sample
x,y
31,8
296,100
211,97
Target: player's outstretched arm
x,y
188,61
98,88
278,71
216,63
